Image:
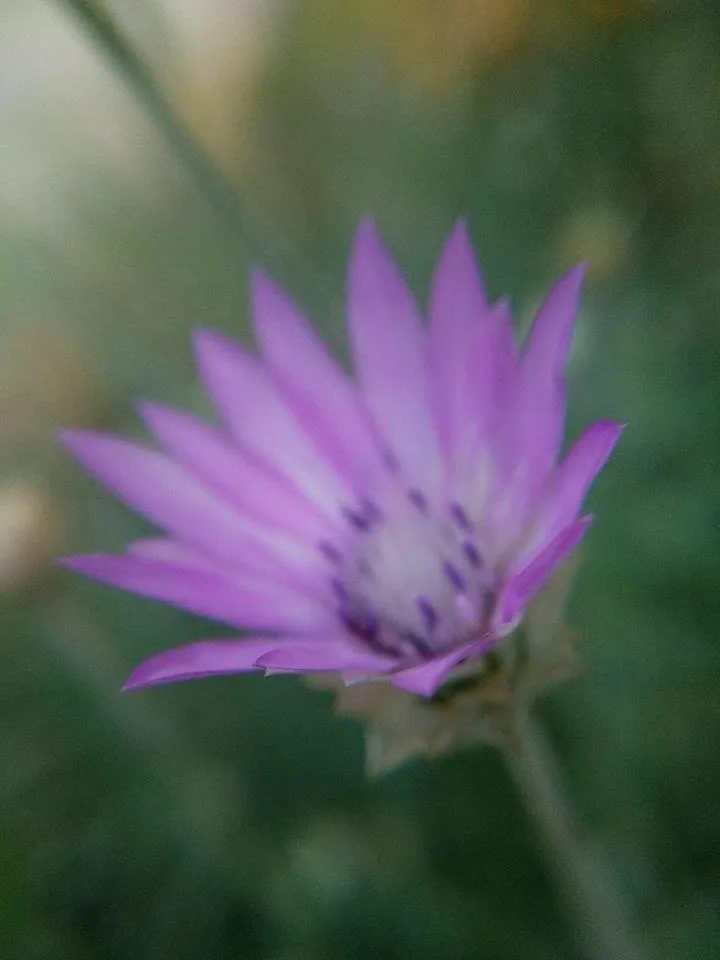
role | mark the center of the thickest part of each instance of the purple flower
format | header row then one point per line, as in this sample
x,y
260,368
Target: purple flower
x,y
394,527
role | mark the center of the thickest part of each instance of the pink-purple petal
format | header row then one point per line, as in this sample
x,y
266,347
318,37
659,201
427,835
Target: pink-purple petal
x,y
535,575
534,414
457,307
250,485
154,485
320,393
548,342
576,473
259,604
542,386
262,421
171,551
326,654
205,658
425,678
390,352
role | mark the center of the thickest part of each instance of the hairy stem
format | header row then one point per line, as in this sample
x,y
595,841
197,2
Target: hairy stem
x,y
601,916
256,234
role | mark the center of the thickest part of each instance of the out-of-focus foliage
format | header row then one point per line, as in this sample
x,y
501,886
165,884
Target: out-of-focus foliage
x,y
230,818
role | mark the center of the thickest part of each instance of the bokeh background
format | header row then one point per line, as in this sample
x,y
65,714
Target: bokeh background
x,y
230,818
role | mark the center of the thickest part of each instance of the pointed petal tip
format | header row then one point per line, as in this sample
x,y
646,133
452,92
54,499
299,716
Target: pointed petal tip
x,y
262,285
459,232
160,417
572,282
458,243
366,225
612,429
367,241
152,412
575,276
208,342
74,563
203,337
93,448
426,678
152,674
142,677
89,564
199,660
75,439
258,274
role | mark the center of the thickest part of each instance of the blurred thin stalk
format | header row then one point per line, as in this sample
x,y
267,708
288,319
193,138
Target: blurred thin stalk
x,y
256,234
593,901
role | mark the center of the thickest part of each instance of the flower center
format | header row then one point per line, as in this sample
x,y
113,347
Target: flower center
x,y
414,582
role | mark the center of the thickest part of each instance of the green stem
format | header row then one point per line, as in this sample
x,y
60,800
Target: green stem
x,y
264,242
601,916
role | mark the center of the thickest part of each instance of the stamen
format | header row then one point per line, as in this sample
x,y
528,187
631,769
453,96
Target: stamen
x,y
357,520
390,460
419,645
417,499
460,517
330,552
472,554
366,628
372,511
454,576
429,613
412,584
340,591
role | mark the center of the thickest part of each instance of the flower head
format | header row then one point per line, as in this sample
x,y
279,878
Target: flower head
x,y
394,527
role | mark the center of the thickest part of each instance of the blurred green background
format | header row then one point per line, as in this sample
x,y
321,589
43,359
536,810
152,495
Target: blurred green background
x,y
230,818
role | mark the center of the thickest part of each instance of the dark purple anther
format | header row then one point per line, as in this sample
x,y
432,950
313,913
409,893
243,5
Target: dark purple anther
x,y
340,591
454,576
429,613
356,520
330,552
460,517
472,554
420,645
418,500
371,511
366,628
390,461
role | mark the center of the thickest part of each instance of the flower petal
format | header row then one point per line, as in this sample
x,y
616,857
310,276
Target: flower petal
x,y
425,678
531,416
534,576
152,484
540,410
548,342
322,397
390,352
326,654
244,481
258,604
575,475
262,421
206,658
171,551
457,307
